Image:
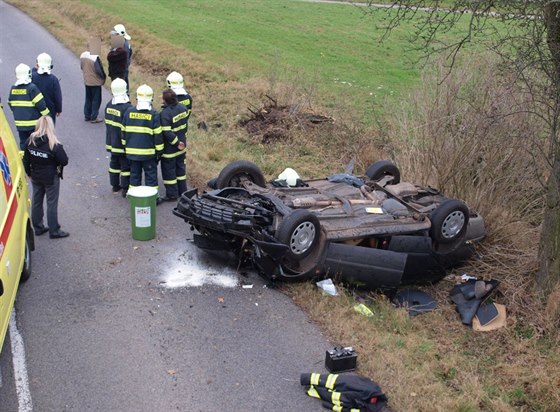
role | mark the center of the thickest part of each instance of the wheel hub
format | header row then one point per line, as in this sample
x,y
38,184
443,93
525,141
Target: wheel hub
x,y
302,238
453,224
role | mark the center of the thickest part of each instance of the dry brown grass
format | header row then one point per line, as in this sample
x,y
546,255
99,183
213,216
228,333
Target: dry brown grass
x,y
456,136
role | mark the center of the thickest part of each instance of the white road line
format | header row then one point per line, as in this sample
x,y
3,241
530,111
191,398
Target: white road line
x,y
20,367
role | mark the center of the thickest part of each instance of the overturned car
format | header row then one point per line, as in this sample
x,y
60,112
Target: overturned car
x,y
373,231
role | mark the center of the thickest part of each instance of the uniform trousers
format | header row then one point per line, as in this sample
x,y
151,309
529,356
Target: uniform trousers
x,y
174,174
23,136
119,171
149,166
51,192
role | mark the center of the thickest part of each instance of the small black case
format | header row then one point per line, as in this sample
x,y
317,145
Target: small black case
x,y
341,359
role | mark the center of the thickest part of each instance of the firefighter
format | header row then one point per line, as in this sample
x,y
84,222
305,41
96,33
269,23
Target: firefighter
x,y
175,83
142,139
119,167
48,84
174,118
27,103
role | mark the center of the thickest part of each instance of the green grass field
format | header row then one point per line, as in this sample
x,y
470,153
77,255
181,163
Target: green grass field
x,y
334,45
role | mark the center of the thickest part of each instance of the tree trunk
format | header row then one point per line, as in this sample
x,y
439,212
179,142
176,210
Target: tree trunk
x,y
548,275
549,249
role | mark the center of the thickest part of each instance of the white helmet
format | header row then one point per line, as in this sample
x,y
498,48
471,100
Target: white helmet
x,y
118,87
290,176
120,30
23,74
44,63
144,93
174,80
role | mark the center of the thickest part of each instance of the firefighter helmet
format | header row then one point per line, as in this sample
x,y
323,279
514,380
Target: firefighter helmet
x,y
174,80
44,63
120,30
118,87
290,176
144,93
23,73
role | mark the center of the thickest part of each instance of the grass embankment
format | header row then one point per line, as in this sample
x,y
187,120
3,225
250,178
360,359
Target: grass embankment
x,y
451,135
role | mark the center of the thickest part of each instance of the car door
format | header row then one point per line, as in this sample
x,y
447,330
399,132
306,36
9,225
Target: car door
x,y
16,238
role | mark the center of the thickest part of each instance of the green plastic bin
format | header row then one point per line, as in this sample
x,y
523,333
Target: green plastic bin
x,y
143,211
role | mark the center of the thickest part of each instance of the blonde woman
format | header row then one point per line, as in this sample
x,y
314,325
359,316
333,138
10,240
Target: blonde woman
x,y
43,158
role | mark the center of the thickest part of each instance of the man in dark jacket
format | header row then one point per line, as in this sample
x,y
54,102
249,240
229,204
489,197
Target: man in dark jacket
x,y
174,118
48,84
119,167
142,139
27,103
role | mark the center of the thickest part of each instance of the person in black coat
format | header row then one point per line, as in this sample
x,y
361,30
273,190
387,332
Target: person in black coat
x,y
49,84
117,58
44,158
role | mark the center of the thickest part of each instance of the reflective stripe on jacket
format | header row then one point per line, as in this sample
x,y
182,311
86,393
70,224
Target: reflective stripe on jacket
x,y
114,127
27,104
174,125
142,134
186,100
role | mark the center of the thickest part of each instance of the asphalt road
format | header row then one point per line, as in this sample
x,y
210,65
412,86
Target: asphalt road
x,y
113,324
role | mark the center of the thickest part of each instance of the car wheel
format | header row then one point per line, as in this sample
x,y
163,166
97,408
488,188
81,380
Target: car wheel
x,y
300,231
449,221
382,168
26,271
236,172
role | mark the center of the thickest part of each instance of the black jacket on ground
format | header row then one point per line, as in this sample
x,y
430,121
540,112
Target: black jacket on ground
x,y
347,392
41,162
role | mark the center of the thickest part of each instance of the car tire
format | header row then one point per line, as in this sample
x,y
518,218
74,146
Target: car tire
x,y
26,271
382,168
449,222
233,175
299,230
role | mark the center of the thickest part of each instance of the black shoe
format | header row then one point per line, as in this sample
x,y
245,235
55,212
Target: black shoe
x,y
116,188
159,201
168,199
124,192
39,232
59,234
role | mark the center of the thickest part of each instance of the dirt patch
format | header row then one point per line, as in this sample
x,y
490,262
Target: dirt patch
x,y
274,123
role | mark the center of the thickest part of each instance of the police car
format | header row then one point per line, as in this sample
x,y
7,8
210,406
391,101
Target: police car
x,y
16,234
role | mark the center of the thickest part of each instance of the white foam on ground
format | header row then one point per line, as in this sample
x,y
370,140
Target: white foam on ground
x,y
195,269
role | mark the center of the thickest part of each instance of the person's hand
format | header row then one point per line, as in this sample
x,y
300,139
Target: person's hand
x,y
58,114
181,146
